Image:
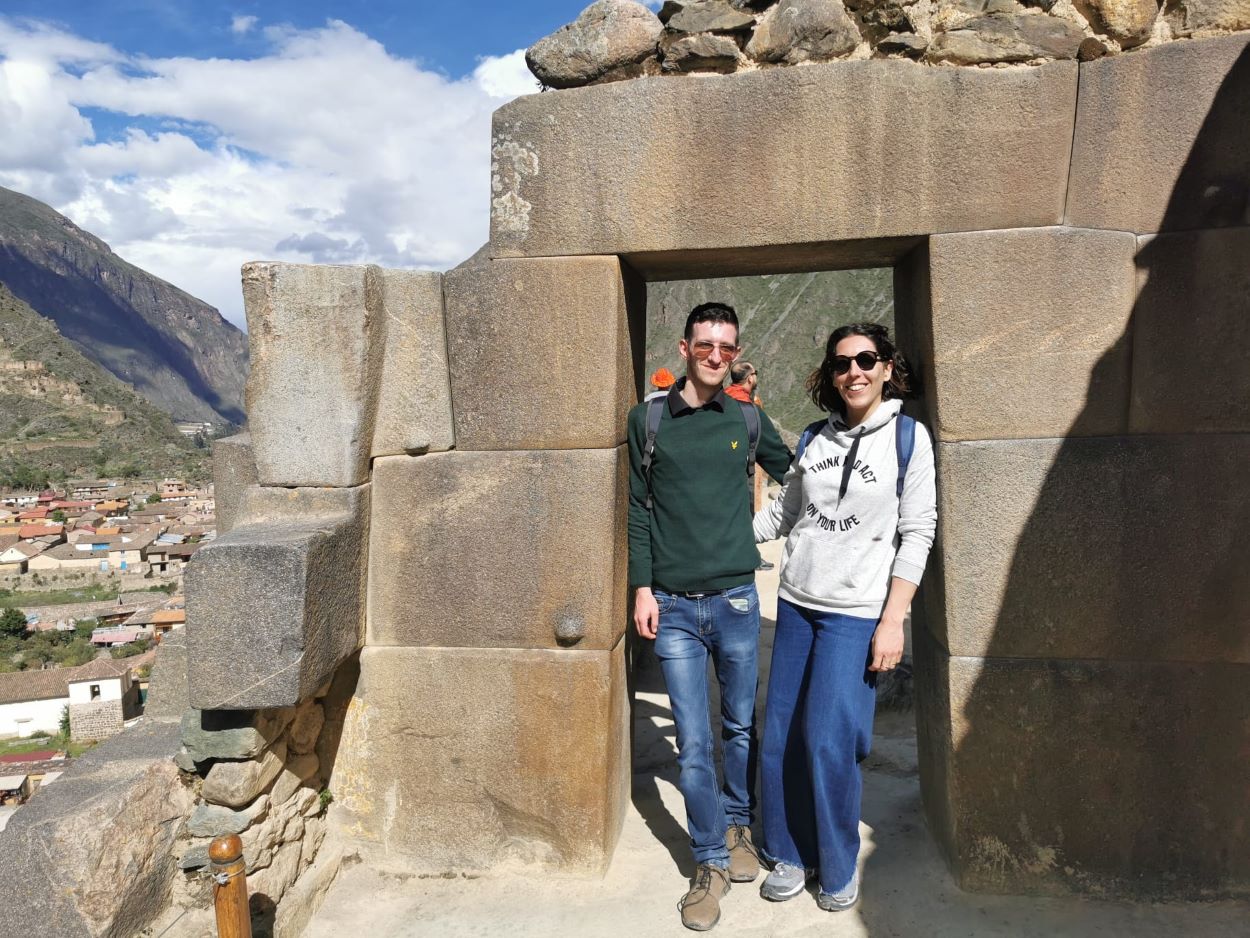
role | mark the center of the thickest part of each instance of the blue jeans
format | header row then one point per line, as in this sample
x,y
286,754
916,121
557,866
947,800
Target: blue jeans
x,y
817,729
727,627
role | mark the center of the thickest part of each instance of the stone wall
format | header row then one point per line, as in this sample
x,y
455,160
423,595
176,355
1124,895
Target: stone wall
x,y
614,40
262,779
97,720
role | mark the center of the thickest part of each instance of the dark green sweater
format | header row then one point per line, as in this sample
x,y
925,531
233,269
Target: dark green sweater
x,y
698,534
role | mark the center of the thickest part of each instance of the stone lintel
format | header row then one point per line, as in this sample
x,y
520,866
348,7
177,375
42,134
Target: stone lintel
x,y
1116,779
316,335
515,549
781,157
1099,548
461,758
275,605
1162,138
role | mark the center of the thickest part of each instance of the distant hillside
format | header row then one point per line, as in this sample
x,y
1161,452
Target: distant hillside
x,y
785,321
64,415
175,350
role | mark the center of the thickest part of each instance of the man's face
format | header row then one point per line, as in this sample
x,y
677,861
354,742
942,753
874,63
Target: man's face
x,y
709,352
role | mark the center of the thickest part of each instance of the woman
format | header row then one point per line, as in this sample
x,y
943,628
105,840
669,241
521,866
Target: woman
x,y
860,514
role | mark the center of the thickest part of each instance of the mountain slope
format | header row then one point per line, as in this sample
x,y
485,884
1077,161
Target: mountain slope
x,y
62,414
175,350
785,320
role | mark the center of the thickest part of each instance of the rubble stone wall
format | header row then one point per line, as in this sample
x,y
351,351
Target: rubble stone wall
x,y
616,40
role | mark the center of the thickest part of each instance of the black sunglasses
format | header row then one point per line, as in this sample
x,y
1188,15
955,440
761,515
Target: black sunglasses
x,y
867,361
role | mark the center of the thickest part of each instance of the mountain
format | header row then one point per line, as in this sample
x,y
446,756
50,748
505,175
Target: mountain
x,y
175,350
61,414
784,321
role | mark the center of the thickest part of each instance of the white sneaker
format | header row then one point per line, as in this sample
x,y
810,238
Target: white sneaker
x,y
784,882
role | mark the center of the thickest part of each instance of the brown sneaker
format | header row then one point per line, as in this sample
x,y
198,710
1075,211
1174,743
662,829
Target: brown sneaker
x,y
744,860
700,907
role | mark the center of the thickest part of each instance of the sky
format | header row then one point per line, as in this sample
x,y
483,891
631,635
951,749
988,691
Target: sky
x,y
195,135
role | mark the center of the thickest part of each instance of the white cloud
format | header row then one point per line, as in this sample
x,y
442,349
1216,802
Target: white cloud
x,y
325,149
239,25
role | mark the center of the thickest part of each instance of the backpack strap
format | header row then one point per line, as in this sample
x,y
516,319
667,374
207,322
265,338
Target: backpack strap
x,y
655,412
809,432
752,417
904,443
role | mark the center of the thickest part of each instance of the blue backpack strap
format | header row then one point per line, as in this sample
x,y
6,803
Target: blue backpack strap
x,y
904,443
806,436
752,418
655,412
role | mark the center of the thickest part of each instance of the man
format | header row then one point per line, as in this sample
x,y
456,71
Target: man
x,y
692,561
743,380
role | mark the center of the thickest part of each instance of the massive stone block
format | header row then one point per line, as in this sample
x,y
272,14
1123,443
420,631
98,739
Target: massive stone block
x,y
1028,333
414,401
1162,142
275,605
779,157
1194,307
316,359
458,758
96,850
234,470
1111,778
507,550
541,356
1129,548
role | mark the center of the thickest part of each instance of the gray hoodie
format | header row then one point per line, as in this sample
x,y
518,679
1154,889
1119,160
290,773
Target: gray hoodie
x,y
849,532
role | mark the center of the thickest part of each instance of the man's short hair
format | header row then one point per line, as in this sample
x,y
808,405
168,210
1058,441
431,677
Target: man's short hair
x,y
740,371
710,312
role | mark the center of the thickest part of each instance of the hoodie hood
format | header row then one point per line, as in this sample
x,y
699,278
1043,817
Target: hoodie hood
x,y
885,412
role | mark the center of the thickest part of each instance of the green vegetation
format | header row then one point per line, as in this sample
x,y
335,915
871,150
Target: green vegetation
x,y
93,592
110,431
12,623
129,650
785,320
42,741
64,649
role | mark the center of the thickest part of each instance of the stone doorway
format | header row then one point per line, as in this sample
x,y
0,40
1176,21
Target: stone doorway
x,y
1086,624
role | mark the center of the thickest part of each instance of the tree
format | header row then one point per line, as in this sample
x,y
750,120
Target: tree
x,y
13,622
154,499
58,516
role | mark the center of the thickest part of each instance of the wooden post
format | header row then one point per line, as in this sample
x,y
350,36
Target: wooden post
x,y
234,920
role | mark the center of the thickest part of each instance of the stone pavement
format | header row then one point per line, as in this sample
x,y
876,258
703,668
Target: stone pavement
x,y
907,889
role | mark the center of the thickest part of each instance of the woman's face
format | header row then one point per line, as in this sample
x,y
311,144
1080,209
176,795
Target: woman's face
x,y
862,389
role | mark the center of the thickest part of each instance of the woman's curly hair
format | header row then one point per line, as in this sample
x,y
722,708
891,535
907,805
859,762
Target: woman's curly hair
x,y
820,384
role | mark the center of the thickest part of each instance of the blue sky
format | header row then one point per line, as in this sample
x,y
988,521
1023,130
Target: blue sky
x,y
451,35
195,136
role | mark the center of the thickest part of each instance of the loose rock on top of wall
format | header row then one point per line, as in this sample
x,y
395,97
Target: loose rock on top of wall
x,y
619,39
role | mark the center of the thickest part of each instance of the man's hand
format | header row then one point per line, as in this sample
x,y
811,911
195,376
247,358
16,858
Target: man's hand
x,y
646,612
887,644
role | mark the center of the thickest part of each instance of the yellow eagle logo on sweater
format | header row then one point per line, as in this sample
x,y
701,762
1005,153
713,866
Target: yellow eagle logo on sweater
x,y
734,444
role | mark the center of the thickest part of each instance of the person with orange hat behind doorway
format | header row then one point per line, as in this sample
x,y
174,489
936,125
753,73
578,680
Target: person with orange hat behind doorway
x,y
661,379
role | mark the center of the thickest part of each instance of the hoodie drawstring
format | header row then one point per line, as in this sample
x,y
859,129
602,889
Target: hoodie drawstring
x,y
849,465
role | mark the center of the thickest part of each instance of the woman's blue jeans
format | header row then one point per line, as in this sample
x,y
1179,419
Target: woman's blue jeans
x,y
726,627
817,729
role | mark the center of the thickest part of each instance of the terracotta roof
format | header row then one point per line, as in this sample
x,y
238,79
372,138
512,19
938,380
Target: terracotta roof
x,y
169,615
40,530
21,686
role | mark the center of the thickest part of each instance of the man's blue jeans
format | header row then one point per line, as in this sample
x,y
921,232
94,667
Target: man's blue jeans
x,y
817,729
727,627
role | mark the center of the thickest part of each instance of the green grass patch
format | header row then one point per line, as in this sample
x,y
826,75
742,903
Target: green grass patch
x,y
95,592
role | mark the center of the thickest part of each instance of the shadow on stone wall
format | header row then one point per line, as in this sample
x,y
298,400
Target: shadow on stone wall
x,y
1100,744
